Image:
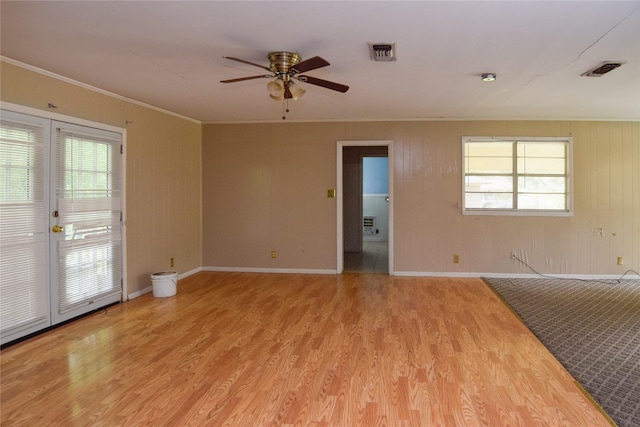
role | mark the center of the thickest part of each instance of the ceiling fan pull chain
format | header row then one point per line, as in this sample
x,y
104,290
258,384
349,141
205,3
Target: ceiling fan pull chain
x,y
285,108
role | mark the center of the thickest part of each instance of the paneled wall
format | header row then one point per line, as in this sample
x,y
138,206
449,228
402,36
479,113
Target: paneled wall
x,y
163,171
264,188
226,196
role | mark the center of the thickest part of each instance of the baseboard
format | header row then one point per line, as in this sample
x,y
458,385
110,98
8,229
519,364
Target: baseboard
x,y
559,276
139,293
436,274
189,273
394,273
269,270
512,275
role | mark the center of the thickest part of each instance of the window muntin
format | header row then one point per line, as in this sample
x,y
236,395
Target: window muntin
x,y
517,176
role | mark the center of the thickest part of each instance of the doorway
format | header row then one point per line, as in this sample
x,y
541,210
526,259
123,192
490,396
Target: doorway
x,y
364,231
61,228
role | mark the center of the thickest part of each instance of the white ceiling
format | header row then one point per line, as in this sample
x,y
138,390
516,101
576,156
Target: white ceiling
x,y
170,55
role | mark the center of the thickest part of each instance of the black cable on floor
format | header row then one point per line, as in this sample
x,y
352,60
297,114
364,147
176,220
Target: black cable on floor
x,y
608,282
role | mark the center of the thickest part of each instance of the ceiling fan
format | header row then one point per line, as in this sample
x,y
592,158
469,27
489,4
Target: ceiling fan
x,y
284,67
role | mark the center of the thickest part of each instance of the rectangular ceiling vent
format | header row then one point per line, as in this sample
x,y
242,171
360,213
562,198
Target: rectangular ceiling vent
x,y
382,51
602,69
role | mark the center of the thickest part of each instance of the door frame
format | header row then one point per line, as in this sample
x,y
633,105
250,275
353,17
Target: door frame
x,y
340,201
82,122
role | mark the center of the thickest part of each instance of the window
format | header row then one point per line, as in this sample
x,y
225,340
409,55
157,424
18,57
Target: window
x,y
517,176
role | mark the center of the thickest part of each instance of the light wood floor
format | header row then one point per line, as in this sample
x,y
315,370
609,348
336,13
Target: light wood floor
x,y
374,258
242,349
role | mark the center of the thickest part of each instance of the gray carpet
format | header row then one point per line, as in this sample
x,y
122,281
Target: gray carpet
x,y
592,328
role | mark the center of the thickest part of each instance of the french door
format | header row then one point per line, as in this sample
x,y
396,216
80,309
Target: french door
x,y
60,222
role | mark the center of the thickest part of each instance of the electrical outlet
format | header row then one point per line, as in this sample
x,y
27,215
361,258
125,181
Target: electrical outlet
x,y
620,260
274,254
171,263
456,258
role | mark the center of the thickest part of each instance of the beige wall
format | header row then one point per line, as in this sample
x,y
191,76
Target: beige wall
x,y
226,195
264,188
163,171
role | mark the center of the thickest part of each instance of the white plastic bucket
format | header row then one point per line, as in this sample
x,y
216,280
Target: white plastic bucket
x,y
164,283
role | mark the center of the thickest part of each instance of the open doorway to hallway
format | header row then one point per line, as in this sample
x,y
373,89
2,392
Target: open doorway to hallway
x,y
366,209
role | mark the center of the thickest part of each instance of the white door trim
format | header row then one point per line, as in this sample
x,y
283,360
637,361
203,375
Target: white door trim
x,y
340,203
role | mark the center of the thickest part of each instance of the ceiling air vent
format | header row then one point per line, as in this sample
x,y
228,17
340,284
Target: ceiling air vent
x,y
602,69
382,51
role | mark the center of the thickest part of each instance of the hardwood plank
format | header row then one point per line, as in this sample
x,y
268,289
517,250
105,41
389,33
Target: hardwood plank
x,y
272,349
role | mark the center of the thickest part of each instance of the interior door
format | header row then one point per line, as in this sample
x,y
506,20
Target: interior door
x,y
86,216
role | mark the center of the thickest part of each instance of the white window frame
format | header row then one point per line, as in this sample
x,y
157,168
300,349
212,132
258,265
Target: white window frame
x,y
521,212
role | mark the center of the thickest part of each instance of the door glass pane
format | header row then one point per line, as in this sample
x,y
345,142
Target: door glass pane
x,y
23,228
89,251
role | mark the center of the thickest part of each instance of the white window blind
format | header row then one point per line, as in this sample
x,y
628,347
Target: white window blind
x,y
24,284
517,176
88,194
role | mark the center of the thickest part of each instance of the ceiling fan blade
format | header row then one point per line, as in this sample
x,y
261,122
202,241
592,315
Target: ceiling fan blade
x,y
240,79
309,64
324,83
247,62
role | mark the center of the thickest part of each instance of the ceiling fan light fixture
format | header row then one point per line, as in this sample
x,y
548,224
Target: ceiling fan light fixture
x,y
489,77
276,89
296,91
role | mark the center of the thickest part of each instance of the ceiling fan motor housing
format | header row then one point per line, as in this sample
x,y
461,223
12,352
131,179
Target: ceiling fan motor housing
x,y
281,62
